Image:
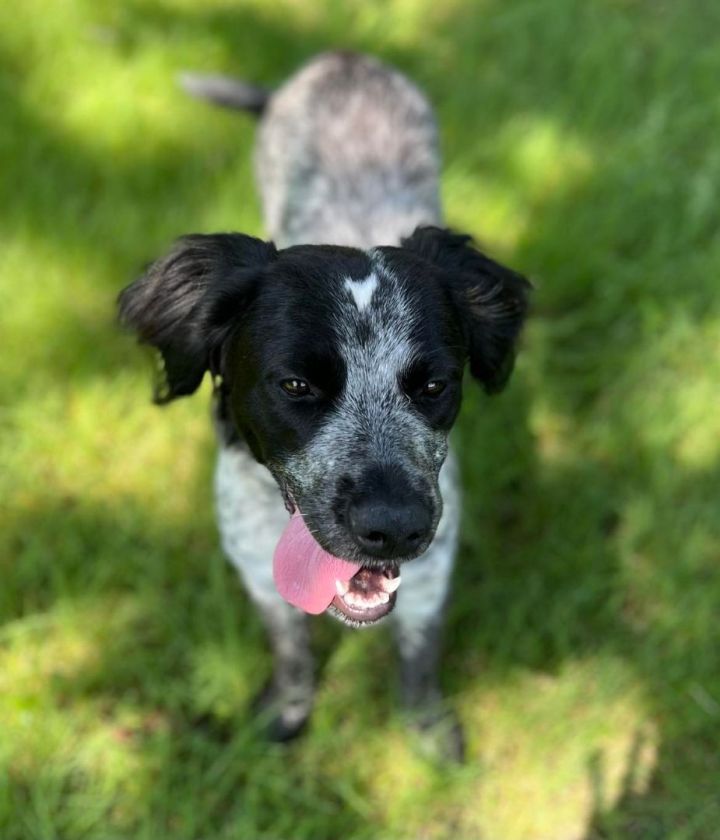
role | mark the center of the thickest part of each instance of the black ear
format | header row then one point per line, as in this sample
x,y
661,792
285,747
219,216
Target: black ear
x,y
492,301
184,302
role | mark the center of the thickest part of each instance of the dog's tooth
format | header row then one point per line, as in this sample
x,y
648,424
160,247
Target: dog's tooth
x,y
382,597
341,587
360,601
389,585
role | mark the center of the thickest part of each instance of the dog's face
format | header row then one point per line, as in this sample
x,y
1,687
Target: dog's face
x,y
341,369
345,379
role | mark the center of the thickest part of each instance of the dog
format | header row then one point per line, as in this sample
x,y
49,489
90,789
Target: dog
x,y
337,353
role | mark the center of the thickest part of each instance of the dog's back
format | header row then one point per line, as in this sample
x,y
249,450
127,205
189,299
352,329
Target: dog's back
x,y
347,151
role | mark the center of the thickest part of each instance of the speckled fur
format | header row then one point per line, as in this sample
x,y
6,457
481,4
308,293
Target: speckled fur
x,y
347,153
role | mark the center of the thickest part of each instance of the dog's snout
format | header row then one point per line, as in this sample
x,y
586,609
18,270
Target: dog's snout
x,y
389,530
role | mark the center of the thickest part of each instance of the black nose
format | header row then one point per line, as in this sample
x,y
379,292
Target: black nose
x,y
389,530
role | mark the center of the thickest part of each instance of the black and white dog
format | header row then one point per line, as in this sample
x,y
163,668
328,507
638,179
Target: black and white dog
x,y
337,355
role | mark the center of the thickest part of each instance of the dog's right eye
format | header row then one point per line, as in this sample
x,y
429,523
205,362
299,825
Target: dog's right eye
x,y
295,387
433,388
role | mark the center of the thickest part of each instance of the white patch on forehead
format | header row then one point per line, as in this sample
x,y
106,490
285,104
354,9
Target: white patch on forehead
x,y
362,290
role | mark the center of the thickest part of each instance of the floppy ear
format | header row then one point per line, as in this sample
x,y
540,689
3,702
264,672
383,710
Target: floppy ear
x,y
183,304
492,301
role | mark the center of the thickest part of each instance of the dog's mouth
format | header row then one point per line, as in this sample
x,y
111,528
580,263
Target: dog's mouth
x,y
313,580
367,597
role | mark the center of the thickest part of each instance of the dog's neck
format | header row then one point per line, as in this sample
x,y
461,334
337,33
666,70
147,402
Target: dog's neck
x,y
374,221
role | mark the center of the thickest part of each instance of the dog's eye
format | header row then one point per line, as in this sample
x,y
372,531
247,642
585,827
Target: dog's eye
x,y
433,388
295,387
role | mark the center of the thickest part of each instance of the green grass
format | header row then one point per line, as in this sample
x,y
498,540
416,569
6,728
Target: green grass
x,y
581,145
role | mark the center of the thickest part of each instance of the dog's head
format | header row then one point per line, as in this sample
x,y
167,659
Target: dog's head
x,y
342,371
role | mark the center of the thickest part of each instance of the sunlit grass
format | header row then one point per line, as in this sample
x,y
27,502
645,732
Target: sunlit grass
x,y
580,146
519,168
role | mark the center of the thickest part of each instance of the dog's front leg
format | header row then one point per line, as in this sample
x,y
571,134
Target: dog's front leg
x,y
419,636
251,517
419,651
418,626
287,699
419,643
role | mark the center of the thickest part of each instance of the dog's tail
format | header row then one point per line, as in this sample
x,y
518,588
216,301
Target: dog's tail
x,y
226,91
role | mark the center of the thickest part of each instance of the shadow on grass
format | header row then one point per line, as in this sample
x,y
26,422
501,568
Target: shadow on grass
x,y
543,574
145,653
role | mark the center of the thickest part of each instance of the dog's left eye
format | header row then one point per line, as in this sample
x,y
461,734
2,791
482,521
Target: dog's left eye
x,y
433,388
295,387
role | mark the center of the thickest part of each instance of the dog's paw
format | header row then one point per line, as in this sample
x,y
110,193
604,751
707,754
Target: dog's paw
x,y
281,715
439,734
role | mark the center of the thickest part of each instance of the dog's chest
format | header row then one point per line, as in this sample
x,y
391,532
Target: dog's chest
x,y
251,517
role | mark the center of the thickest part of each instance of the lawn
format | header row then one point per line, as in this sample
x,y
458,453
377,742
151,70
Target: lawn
x,y
581,145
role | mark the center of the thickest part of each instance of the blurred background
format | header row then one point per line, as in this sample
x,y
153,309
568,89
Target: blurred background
x,y
581,146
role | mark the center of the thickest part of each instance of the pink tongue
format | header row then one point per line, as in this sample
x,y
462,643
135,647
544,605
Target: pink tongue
x,y
304,573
